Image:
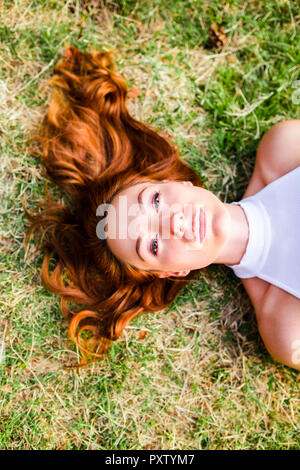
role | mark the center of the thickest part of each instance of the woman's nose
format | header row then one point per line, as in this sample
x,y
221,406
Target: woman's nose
x,y
177,224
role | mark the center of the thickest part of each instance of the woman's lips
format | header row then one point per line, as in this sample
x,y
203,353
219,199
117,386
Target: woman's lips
x,y
202,225
199,224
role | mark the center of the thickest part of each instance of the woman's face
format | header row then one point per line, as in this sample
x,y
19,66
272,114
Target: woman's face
x,y
169,227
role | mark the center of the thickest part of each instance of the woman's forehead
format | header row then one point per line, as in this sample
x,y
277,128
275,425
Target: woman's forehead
x,y
131,192
123,208
120,208
132,189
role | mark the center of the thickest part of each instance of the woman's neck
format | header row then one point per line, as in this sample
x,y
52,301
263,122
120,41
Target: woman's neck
x,y
236,244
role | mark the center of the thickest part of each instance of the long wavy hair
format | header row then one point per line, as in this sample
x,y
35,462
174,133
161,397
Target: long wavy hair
x,y
92,148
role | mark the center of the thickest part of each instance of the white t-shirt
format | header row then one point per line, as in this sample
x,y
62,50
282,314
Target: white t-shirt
x,y
273,249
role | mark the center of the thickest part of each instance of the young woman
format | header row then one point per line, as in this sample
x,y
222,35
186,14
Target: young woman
x,y
137,224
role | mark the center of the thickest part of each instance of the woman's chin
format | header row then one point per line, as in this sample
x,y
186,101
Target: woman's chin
x,y
220,225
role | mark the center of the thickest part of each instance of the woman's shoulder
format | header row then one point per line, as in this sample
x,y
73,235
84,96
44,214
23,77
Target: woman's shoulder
x,y
267,298
278,152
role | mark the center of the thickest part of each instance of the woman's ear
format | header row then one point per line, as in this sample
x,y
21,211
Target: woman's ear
x,y
176,274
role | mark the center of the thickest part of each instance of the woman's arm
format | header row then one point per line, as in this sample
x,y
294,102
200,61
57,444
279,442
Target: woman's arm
x,y
277,312
278,322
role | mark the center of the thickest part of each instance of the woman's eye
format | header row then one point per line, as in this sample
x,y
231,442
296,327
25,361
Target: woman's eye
x,y
156,200
154,246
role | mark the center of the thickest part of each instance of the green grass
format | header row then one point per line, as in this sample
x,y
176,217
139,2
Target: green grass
x,y
201,379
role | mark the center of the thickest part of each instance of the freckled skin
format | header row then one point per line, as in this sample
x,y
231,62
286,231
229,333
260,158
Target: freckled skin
x,y
170,213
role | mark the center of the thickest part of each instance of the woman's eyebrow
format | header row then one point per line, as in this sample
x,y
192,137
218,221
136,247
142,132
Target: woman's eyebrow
x,y
140,197
137,249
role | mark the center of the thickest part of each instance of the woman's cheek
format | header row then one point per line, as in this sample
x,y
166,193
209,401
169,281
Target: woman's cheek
x,y
167,252
174,251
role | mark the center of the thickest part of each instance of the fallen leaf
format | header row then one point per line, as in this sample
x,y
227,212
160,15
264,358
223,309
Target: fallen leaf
x,y
217,36
143,334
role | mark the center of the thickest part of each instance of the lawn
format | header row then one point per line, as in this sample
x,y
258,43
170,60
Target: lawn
x,y
196,376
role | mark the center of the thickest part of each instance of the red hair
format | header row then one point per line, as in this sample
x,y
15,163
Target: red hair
x,y
92,148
